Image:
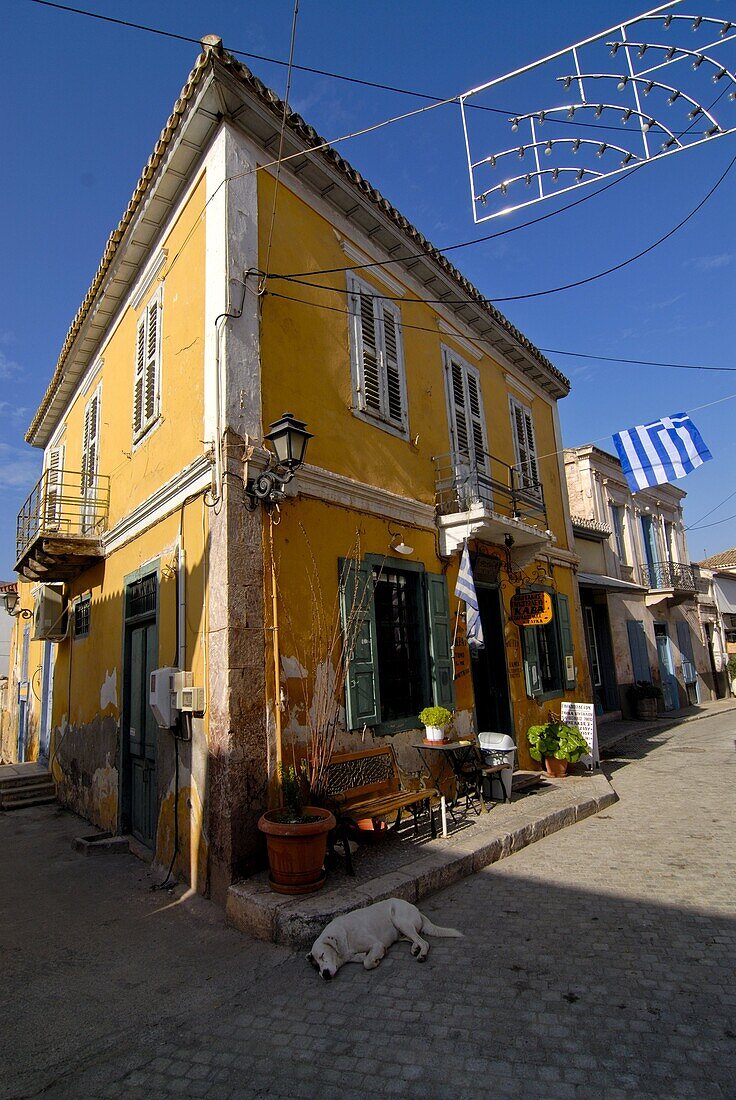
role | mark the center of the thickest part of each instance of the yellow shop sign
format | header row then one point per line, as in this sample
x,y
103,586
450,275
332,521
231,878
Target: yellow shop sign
x,y
531,608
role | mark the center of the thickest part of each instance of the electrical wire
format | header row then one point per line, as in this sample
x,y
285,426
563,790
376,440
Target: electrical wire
x,y
547,351
702,526
281,135
712,510
531,294
378,85
635,362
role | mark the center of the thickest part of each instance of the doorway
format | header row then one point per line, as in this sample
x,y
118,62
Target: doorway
x,y
490,678
139,801
666,666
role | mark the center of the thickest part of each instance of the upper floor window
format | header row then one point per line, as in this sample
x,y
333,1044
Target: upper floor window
x,y
147,384
525,447
90,451
617,516
377,357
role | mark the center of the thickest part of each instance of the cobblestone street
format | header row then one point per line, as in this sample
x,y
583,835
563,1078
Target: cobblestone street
x,y
598,962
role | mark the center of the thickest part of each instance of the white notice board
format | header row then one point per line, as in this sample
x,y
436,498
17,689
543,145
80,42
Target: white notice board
x,y
582,715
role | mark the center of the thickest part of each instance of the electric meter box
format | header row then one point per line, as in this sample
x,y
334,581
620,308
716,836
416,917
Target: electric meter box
x,y
190,700
162,696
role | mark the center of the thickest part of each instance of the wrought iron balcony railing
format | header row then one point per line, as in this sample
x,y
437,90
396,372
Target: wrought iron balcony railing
x,y
63,505
669,575
463,482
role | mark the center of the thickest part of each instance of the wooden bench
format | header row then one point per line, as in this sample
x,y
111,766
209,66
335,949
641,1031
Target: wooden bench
x,y
367,784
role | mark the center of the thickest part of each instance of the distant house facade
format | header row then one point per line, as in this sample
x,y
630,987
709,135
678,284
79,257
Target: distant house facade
x,y
638,590
717,608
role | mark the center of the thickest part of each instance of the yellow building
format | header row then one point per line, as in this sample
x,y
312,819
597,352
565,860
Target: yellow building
x,y
434,421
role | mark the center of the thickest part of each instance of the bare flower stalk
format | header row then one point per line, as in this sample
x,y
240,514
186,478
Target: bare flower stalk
x,y
332,641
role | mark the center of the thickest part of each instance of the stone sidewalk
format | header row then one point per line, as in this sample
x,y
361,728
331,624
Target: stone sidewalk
x,y
597,964
413,866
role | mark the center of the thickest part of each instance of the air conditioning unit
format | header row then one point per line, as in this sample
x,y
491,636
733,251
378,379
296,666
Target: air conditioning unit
x,y
50,619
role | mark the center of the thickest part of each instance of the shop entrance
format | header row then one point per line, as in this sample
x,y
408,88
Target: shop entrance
x,y
490,677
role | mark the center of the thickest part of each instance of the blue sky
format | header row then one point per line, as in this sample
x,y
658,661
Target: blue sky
x,y
88,100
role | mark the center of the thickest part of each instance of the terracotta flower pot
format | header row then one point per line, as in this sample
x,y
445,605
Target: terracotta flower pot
x,y
296,850
555,767
646,709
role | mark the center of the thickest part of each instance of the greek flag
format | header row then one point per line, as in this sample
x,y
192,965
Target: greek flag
x,y
465,590
662,451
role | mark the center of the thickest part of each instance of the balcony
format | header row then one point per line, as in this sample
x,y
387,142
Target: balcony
x,y
59,528
485,498
669,580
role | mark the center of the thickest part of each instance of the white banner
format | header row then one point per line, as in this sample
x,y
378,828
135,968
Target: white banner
x,y
582,715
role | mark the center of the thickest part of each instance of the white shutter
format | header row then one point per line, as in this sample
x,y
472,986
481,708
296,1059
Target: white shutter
x,y
54,481
90,449
140,372
467,419
150,403
525,447
147,380
378,360
395,403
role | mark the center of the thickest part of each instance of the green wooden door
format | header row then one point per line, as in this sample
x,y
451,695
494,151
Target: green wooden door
x,y
142,733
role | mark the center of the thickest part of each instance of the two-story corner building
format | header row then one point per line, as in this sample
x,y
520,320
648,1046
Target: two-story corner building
x,y
434,421
637,586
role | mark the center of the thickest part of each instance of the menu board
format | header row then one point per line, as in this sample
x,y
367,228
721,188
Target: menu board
x,y
582,715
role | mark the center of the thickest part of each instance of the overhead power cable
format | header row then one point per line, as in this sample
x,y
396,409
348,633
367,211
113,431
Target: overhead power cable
x,y
710,513
635,362
536,293
715,523
378,85
546,351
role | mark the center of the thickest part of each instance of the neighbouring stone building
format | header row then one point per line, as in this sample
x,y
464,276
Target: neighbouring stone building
x,y
637,586
717,606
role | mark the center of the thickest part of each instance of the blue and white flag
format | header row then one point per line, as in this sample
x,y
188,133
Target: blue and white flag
x,y
465,590
664,450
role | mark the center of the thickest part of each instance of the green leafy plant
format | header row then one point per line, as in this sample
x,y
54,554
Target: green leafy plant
x,y
644,689
732,666
436,716
556,739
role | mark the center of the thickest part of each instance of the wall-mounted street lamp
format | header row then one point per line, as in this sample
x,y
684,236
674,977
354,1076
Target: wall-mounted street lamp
x,y
289,439
10,599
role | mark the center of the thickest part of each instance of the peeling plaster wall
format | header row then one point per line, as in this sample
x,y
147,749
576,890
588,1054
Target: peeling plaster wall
x,y
84,766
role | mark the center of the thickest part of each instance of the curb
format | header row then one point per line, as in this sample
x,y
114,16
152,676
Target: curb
x,y
252,907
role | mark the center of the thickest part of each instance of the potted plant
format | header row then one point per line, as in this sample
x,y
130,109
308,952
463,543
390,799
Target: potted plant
x,y
435,721
296,836
644,697
557,744
731,667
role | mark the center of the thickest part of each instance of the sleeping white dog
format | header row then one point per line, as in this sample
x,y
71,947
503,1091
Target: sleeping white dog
x,y
365,935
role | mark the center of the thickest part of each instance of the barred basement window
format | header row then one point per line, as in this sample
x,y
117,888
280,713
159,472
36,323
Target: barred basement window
x,y
81,617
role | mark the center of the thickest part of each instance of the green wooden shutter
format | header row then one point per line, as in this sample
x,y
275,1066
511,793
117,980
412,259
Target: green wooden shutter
x,y
638,647
530,654
362,697
566,643
440,644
